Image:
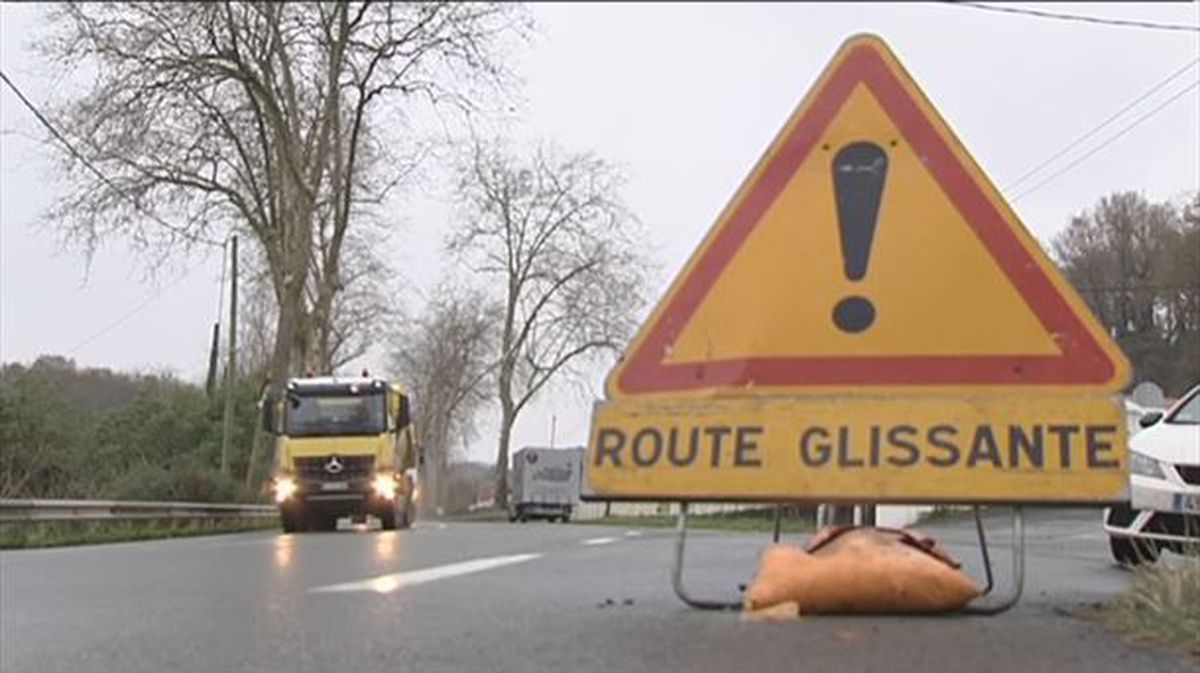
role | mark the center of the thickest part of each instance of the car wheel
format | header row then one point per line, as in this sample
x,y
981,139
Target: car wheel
x,y
1131,551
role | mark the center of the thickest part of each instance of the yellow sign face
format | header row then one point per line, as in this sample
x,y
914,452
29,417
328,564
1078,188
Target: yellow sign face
x,y
867,321
1053,448
867,252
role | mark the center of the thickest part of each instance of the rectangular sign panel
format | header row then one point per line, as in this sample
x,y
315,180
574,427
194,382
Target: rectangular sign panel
x,y
1036,448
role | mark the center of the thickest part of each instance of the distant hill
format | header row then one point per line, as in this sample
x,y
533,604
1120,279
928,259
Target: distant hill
x,y
90,390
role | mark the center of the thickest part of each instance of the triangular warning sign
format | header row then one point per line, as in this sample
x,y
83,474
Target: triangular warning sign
x,y
866,250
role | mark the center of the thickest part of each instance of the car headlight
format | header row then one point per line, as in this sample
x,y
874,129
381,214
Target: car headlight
x,y
285,487
384,485
1143,465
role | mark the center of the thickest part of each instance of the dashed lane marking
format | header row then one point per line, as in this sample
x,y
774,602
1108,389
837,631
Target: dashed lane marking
x,y
600,540
386,584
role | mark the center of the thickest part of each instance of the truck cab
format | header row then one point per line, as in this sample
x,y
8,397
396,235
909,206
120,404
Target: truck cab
x,y
344,447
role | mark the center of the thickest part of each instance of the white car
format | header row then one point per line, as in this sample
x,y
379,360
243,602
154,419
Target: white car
x,y
1164,506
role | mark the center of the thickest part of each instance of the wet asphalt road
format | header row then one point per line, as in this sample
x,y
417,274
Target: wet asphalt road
x,y
533,597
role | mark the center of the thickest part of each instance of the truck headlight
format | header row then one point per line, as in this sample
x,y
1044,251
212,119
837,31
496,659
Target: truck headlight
x,y
285,487
1143,465
384,485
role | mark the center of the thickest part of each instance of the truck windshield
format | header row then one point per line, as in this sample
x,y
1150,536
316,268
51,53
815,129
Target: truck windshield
x,y
336,415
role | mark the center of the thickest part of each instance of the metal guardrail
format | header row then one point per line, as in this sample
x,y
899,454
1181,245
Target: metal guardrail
x,y
88,510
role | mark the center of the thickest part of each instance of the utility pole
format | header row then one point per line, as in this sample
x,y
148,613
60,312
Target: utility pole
x,y
231,368
210,381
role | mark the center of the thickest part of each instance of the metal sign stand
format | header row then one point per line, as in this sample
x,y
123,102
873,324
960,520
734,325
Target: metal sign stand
x,y
1018,568
1002,605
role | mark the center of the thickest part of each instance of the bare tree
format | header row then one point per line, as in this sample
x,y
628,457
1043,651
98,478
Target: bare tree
x,y
360,314
446,359
256,324
261,117
554,234
1116,251
353,310
1137,264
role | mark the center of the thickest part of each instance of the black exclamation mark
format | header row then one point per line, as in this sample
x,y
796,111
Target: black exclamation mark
x,y
859,171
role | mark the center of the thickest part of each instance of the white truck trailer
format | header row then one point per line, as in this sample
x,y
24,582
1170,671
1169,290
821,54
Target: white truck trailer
x,y
545,483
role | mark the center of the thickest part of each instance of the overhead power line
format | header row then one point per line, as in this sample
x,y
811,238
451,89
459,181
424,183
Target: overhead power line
x,y
178,231
127,315
70,148
1096,129
1108,141
1126,23
1139,287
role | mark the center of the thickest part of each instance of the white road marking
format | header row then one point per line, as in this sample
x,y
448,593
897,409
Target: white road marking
x,y
633,533
600,540
386,584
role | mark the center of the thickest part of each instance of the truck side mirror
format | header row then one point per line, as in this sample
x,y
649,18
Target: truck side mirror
x,y
1150,419
270,415
402,412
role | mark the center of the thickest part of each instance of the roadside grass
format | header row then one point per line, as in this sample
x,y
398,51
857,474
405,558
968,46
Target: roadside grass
x,y
745,523
940,514
1162,606
37,534
481,515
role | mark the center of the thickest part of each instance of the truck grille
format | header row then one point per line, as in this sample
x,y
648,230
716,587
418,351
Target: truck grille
x,y
1189,473
353,467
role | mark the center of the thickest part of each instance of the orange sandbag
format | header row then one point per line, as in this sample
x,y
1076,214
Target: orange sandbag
x,y
780,612
861,570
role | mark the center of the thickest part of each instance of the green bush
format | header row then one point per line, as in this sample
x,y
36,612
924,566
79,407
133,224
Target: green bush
x,y
180,484
27,535
67,433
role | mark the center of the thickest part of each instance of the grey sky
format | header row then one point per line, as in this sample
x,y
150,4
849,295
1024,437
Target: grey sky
x,y
685,98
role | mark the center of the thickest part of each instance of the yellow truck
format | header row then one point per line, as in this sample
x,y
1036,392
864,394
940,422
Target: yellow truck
x,y
344,447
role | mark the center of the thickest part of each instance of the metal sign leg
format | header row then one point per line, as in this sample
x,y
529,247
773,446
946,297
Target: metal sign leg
x,y
677,571
992,608
983,549
1018,572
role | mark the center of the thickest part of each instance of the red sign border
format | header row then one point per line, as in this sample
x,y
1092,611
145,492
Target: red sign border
x,y
1082,359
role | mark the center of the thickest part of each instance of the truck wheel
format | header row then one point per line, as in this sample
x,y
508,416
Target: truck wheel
x,y
397,516
387,518
1131,551
291,519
